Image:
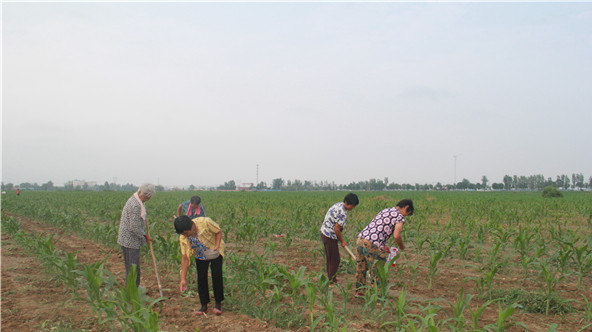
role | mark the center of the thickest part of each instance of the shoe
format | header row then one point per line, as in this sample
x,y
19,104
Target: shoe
x,y
218,309
200,311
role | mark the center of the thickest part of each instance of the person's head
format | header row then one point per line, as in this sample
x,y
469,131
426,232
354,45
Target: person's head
x,y
350,201
146,191
405,206
195,201
185,226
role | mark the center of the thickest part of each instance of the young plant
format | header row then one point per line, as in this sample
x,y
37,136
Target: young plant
x,y
458,321
501,325
435,257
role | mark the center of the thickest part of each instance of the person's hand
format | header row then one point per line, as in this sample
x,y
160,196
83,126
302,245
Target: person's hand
x,y
402,247
182,287
343,244
216,248
148,238
387,248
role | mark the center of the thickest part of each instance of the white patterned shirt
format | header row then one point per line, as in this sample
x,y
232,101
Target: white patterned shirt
x,y
132,227
337,214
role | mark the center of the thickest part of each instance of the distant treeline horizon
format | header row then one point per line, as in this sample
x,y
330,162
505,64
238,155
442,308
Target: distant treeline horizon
x,y
532,182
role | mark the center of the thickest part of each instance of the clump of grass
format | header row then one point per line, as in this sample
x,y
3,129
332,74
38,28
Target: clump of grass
x,y
533,302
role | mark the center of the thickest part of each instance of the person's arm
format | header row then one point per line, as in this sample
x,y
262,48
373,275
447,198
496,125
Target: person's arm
x,y
218,240
184,267
179,210
398,237
339,236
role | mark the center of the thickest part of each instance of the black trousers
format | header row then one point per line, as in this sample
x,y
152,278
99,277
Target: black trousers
x,y
217,280
131,256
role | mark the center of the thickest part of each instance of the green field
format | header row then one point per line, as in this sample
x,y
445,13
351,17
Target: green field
x,y
519,257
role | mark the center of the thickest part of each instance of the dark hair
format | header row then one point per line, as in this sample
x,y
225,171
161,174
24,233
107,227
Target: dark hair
x,y
351,199
183,223
406,202
195,200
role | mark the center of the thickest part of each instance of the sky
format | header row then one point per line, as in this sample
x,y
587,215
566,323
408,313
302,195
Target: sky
x,y
201,93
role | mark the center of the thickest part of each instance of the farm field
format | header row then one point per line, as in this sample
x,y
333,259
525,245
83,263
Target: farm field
x,y
475,261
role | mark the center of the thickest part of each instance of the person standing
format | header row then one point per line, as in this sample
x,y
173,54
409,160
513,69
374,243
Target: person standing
x,y
371,244
18,192
132,228
331,233
202,238
192,208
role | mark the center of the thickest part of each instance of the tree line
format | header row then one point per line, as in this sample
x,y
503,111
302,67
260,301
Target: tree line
x,y
533,182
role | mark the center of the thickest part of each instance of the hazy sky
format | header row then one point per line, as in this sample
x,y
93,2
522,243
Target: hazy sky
x,y
200,93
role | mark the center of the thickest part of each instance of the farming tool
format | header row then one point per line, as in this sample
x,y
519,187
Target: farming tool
x,y
351,253
154,260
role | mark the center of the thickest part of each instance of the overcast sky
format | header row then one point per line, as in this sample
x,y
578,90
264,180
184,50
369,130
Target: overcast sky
x,y
201,93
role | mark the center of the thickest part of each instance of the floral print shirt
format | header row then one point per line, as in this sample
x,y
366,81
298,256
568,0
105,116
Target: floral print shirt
x,y
337,214
382,226
206,236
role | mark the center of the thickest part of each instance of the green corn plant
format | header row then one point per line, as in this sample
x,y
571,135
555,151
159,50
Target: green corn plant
x,y
583,260
382,270
97,282
311,293
65,272
501,325
478,252
550,280
525,262
587,308
137,314
476,314
457,322
463,248
428,321
402,305
488,279
414,271
332,319
419,242
435,257
493,254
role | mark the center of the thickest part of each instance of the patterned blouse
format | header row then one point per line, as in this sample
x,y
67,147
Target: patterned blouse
x,y
382,226
206,236
337,214
132,227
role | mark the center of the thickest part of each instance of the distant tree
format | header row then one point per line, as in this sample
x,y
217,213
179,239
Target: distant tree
x,y
507,182
192,187
551,191
85,186
106,186
159,187
438,186
230,185
277,184
262,185
484,181
8,186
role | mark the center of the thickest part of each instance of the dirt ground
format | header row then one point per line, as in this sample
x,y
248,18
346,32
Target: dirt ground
x,y
31,302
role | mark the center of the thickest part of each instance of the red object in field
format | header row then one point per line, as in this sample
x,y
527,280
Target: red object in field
x,y
281,235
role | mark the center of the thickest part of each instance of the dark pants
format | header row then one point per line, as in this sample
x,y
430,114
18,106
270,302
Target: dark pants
x,y
331,255
131,256
202,280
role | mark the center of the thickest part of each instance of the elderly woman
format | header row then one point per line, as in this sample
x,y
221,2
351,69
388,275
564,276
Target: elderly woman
x,y
202,238
132,228
192,208
371,244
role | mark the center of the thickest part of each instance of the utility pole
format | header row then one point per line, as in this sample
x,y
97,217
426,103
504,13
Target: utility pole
x,y
257,176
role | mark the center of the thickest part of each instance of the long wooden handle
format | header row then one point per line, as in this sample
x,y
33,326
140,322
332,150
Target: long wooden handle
x,y
154,260
351,253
